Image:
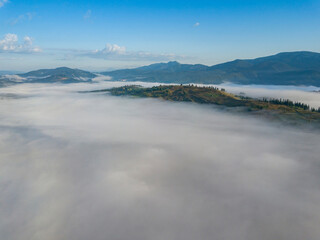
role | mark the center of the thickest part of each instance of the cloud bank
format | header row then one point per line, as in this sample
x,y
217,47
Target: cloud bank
x,y
92,166
10,43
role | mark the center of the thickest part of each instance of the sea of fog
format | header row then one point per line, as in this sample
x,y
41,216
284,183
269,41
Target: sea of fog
x,y
79,166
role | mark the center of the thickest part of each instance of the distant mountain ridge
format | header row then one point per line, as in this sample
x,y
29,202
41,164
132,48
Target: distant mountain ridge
x,y
61,74
288,68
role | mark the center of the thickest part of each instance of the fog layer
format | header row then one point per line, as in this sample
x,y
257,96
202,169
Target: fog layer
x,y
79,166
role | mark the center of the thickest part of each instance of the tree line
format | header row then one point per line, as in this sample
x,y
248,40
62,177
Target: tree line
x,y
290,103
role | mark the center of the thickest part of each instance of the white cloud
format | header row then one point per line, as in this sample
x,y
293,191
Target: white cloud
x,y
14,78
116,52
100,78
2,2
23,17
112,49
197,24
87,15
10,43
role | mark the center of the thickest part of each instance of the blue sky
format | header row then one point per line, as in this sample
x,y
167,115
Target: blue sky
x,y
115,34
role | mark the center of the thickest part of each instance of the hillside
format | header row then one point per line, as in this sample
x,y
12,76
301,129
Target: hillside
x,y
271,108
291,68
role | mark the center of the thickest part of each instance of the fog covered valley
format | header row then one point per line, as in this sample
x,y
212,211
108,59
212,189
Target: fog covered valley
x,y
93,166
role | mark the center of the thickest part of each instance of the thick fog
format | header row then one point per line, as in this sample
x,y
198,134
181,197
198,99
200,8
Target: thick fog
x,y
79,166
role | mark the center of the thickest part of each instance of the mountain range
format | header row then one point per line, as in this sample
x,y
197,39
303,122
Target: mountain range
x,y
288,68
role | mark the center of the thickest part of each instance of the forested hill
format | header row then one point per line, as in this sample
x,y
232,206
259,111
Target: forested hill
x,y
287,110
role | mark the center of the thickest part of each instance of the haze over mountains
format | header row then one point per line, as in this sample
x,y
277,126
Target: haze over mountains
x,y
291,68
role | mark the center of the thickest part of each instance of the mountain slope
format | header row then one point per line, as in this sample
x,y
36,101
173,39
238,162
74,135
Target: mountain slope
x,y
291,68
161,72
